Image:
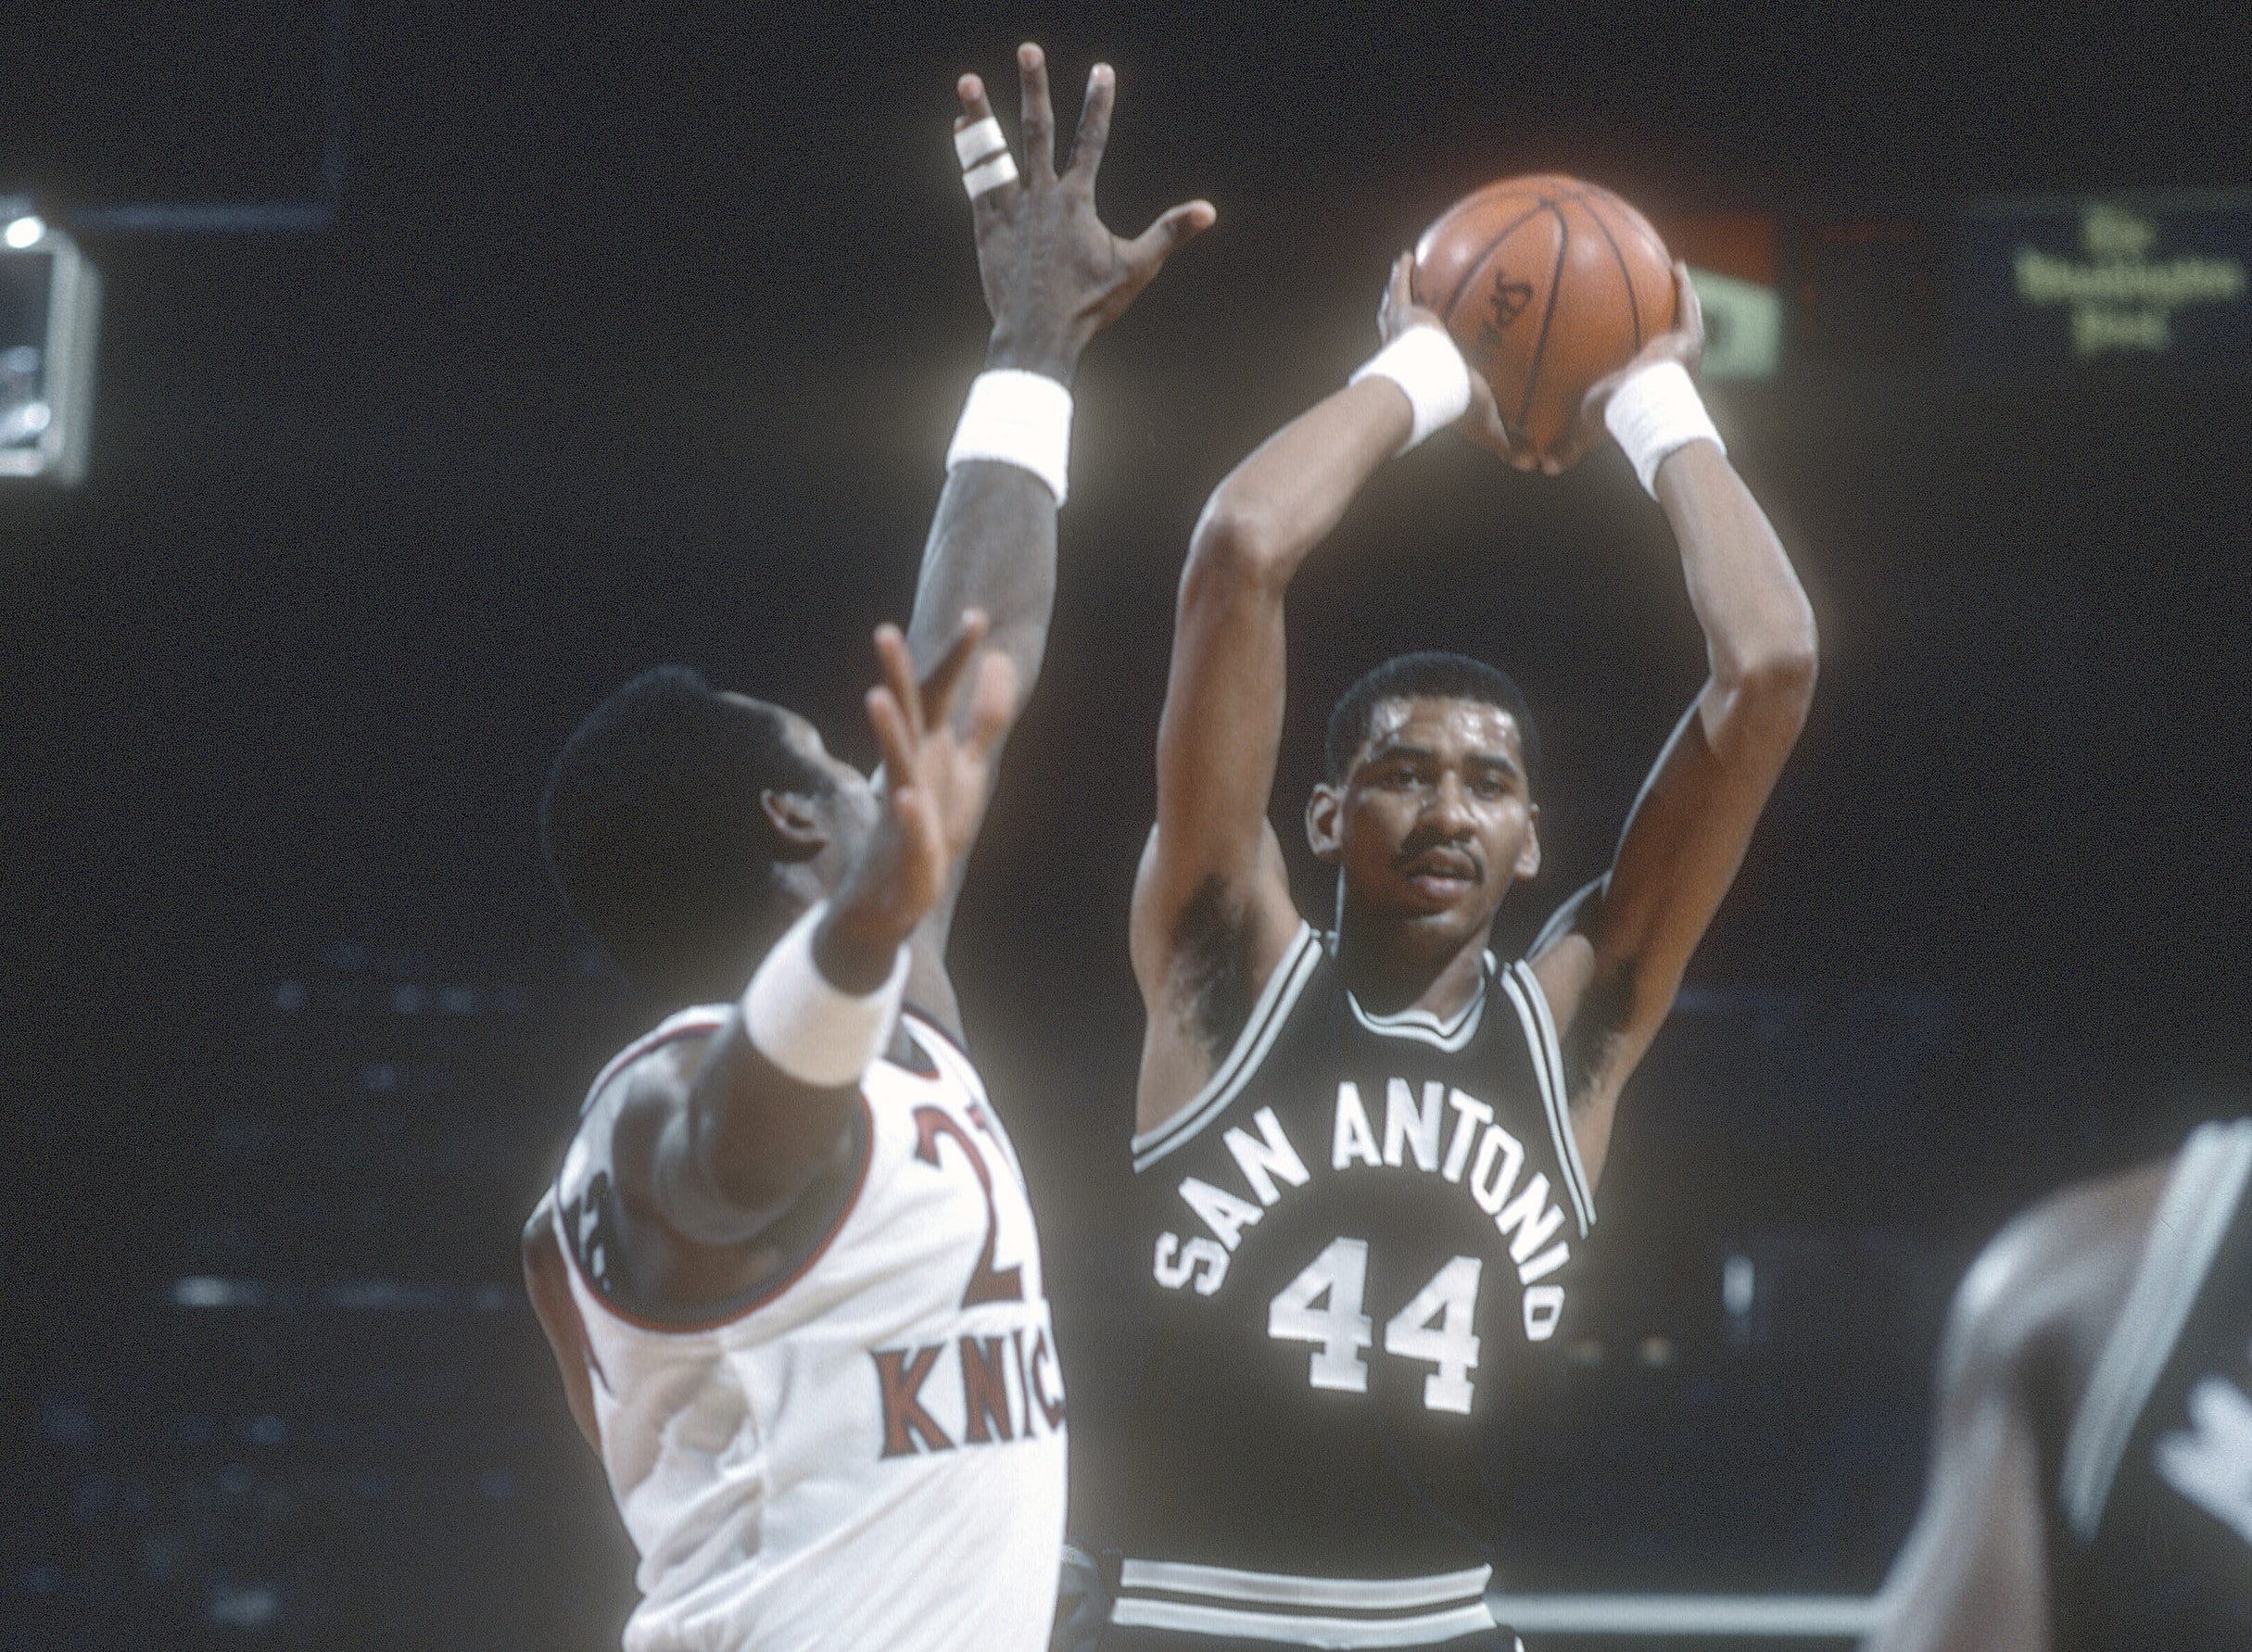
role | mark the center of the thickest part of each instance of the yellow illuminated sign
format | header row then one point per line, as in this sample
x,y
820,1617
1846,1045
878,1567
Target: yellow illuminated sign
x,y
2122,294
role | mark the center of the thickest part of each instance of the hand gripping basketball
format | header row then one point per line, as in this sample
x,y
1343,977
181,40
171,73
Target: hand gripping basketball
x,y
1054,276
1483,423
1683,342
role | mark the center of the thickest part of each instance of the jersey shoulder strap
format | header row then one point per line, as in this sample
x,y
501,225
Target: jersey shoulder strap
x,y
2194,1215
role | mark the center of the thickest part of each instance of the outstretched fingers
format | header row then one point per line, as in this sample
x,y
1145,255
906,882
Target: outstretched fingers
x,y
1147,251
976,106
898,666
989,171
894,740
1093,132
994,702
1688,315
1036,117
938,689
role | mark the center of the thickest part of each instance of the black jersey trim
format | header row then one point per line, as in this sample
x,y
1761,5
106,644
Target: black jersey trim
x,y
2193,1216
1242,1060
1532,1005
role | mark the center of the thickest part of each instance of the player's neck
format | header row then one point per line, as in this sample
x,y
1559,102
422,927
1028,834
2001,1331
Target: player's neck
x,y
1386,979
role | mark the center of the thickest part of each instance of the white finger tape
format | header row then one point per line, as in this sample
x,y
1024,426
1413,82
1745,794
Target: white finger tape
x,y
980,139
990,174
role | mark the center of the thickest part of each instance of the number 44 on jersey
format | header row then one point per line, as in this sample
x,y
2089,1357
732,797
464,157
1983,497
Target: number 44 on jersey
x,y
1322,1307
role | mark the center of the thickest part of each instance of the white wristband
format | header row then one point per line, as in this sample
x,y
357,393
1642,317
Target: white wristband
x,y
815,1032
1655,411
1424,363
1017,418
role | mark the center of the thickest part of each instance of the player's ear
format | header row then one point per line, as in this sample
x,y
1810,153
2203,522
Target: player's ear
x,y
1325,817
1528,857
794,826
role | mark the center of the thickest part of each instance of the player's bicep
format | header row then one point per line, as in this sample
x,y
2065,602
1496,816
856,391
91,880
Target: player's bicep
x,y
1222,728
741,1140
1680,849
548,1286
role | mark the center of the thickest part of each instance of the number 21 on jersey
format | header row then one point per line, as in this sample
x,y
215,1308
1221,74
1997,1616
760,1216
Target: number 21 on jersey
x,y
1322,1307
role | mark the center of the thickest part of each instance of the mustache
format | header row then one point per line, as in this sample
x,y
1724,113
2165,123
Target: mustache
x,y
1428,843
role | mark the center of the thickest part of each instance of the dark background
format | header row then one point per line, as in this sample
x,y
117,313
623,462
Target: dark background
x,y
616,336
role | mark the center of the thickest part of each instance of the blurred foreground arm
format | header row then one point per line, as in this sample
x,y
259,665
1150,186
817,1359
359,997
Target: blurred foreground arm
x,y
1973,1576
2031,1322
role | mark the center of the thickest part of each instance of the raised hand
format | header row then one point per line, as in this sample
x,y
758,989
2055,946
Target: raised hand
x,y
1397,311
1684,342
1053,274
937,774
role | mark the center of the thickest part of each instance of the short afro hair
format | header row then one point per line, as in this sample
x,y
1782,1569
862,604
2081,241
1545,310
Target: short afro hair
x,y
653,832
1429,675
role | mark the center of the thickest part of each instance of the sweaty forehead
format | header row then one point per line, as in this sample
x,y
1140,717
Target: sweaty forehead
x,y
1444,725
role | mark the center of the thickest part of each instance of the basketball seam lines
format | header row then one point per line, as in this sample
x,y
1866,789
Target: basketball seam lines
x,y
1547,313
1454,299
1634,311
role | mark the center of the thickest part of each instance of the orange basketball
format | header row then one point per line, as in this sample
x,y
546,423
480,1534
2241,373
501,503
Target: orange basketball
x,y
1547,282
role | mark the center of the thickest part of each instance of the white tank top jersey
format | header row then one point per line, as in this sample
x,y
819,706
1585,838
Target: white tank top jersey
x,y
871,1454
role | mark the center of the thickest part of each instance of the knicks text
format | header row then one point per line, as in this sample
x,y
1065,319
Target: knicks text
x,y
1008,1391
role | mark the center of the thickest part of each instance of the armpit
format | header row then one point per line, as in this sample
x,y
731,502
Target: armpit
x,y
1211,969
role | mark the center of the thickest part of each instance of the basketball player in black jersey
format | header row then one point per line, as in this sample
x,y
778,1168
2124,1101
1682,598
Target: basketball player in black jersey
x,y
2091,1467
1370,1154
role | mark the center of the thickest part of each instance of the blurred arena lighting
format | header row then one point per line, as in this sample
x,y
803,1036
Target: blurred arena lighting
x,y
1731,260
1739,1280
350,1296
50,300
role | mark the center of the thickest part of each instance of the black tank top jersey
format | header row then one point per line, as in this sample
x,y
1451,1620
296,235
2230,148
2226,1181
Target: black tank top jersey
x,y
2155,1546
1355,1234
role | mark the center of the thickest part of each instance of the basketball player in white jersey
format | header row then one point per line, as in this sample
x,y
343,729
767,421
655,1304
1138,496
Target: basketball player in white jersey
x,y
787,1267
1369,1154
2092,1461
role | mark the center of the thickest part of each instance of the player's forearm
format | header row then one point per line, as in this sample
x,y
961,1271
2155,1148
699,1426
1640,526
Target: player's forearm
x,y
1759,629
992,547
992,539
1266,518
